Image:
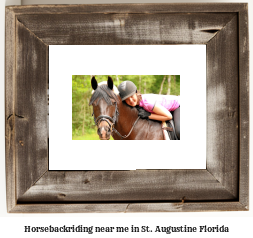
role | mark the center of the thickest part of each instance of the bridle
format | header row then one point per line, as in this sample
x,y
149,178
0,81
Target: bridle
x,y
111,122
106,118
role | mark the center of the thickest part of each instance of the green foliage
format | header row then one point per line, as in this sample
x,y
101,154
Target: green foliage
x,y
82,120
88,136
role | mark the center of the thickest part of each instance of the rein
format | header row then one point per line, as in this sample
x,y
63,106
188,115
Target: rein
x,y
123,137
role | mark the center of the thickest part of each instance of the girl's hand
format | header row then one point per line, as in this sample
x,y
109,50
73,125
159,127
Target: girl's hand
x,y
142,113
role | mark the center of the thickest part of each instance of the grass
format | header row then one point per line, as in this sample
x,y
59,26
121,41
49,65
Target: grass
x,y
93,136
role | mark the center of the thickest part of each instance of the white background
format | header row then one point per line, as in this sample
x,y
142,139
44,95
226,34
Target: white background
x,y
240,223
188,61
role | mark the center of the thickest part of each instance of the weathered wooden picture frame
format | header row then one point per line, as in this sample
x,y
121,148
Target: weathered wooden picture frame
x,y
222,186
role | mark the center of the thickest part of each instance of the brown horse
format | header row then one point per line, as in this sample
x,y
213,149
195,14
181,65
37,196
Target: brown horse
x,y
116,118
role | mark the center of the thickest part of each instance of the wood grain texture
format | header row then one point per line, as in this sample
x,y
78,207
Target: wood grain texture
x,y
223,186
121,29
30,108
155,8
139,185
222,107
129,207
10,64
244,106
186,207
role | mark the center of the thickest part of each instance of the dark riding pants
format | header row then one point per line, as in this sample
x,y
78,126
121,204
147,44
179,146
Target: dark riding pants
x,y
176,117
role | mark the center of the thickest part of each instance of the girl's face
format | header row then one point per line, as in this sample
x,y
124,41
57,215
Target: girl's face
x,y
132,101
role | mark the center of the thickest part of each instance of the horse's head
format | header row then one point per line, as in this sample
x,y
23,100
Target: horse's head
x,y
104,102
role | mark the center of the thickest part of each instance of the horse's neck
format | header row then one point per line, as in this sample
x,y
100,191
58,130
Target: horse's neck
x,y
127,113
127,117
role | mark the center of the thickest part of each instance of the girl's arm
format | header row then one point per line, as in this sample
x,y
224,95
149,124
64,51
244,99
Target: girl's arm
x,y
160,113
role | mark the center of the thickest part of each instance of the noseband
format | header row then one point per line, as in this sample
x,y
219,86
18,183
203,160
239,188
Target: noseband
x,y
108,119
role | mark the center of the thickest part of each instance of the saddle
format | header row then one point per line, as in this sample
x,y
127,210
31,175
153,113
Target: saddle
x,y
168,126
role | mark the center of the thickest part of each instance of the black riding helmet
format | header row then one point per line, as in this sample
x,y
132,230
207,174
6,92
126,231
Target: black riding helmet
x,y
127,89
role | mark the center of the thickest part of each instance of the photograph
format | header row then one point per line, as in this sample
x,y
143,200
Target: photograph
x,y
71,69
79,73
126,107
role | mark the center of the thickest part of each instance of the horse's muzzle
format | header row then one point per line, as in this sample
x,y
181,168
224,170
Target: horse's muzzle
x,y
104,132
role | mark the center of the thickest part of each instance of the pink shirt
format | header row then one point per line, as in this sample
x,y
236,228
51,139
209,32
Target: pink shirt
x,y
170,102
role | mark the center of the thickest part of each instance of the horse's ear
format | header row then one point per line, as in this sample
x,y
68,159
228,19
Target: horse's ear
x,y
94,83
110,82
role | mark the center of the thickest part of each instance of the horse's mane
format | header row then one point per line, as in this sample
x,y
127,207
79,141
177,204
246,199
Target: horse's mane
x,y
103,91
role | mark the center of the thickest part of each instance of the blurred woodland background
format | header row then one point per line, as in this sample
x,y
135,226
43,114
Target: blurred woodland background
x,y
82,121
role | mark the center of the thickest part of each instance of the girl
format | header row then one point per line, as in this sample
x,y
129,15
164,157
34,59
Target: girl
x,y
158,107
